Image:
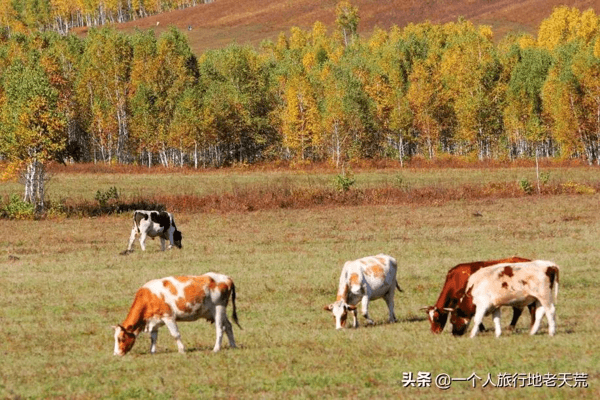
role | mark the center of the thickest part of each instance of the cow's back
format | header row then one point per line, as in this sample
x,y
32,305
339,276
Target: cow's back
x,y
458,276
139,216
501,276
379,272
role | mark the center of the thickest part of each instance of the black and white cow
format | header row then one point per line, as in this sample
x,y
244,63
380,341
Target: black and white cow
x,y
153,224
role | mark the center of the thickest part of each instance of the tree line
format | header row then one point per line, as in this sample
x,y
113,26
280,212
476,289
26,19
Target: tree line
x,y
64,15
425,89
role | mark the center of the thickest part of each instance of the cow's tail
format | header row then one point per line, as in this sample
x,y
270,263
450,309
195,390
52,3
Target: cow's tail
x,y
553,275
399,288
234,313
556,285
136,223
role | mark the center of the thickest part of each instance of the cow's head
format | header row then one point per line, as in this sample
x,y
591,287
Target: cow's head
x,y
460,321
340,309
461,315
177,238
437,318
124,340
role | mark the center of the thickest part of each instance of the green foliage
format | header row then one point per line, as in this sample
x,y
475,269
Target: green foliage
x,y
104,197
544,177
343,182
16,208
526,186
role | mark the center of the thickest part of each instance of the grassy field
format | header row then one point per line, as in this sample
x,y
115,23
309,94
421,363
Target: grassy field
x,y
63,284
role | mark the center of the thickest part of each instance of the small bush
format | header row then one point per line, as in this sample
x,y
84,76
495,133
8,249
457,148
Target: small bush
x,y
104,197
16,208
343,182
544,178
526,186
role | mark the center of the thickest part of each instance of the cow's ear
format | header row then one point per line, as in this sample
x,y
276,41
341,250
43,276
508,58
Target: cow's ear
x,y
328,307
426,309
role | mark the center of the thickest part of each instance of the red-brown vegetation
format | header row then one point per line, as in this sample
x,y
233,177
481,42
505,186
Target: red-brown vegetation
x,y
256,199
223,22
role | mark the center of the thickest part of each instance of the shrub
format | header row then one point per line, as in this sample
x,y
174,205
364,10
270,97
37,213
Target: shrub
x,y
544,177
526,186
16,208
344,182
104,197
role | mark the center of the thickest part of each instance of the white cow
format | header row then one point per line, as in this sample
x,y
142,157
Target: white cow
x,y
363,280
177,298
153,224
508,284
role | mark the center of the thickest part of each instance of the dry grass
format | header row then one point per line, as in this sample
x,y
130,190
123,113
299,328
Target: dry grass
x,y
63,285
264,187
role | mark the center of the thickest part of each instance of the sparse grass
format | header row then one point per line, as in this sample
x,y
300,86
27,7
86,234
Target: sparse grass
x,y
65,284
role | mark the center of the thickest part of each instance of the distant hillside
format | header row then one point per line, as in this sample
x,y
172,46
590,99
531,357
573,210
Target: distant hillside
x,y
222,22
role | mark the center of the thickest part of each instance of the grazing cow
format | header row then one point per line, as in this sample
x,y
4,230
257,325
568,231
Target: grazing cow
x,y
508,284
177,298
363,280
454,288
153,224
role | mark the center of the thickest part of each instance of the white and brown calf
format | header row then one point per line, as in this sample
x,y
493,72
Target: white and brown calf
x,y
177,298
154,224
363,280
508,284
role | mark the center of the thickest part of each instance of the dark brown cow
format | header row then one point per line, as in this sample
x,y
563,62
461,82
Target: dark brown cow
x,y
454,289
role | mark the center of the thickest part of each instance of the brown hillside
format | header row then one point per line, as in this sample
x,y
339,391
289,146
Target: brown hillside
x,y
222,22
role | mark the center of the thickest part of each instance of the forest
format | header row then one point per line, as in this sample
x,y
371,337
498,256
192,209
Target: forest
x,y
64,15
422,90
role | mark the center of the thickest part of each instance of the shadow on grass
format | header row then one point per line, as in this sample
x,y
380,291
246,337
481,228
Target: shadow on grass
x,y
413,318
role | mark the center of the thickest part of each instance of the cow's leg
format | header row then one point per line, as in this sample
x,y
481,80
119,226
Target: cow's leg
x,y
550,314
531,308
355,317
550,311
229,331
142,240
162,243
516,314
220,318
539,313
479,314
389,300
174,331
365,309
153,337
171,242
496,317
132,238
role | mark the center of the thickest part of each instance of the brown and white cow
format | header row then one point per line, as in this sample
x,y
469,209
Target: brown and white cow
x,y
152,224
177,298
454,288
363,280
508,284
